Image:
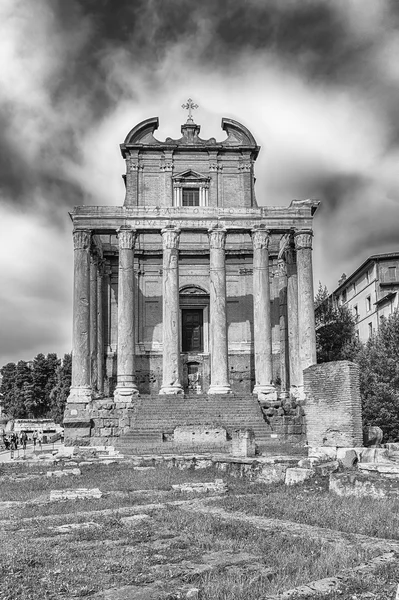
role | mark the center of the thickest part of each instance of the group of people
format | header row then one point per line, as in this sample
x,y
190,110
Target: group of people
x,y
13,440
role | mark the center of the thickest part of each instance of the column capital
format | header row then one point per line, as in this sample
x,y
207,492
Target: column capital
x,y
303,239
126,238
260,238
217,237
81,239
170,237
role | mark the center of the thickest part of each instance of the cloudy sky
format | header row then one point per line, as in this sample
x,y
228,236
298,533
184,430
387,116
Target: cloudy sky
x,y
315,81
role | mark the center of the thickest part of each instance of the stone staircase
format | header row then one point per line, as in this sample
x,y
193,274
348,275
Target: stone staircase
x,y
157,416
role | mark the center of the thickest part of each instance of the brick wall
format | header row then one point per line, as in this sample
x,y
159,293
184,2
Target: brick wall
x,y
333,407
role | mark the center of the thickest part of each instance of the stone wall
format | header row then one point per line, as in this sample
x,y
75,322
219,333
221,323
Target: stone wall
x,y
333,411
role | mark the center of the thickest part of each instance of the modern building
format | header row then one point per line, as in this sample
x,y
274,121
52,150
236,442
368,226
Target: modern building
x,y
190,288
371,292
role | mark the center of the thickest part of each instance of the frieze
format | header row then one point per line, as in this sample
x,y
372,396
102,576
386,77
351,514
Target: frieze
x,y
246,271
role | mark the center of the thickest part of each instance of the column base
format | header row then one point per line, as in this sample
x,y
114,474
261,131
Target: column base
x,y
172,390
265,392
220,389
80,395
125,394
297,392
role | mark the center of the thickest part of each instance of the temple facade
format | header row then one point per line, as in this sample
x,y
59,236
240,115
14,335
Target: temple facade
x,y
190,288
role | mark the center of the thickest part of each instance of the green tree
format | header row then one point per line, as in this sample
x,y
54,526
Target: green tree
x,y
60,391
335,329
23,378
379,378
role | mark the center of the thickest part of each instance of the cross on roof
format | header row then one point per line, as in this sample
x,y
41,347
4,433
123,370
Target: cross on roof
x,y
189,106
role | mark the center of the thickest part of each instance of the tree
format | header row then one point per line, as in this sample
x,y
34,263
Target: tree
x,y
379,378
335,329
7,388
23,378
60,391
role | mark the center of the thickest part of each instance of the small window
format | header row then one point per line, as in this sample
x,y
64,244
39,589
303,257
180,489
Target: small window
x,y
344,296
370,325
190,196
356,311
368,276
392,273
368,303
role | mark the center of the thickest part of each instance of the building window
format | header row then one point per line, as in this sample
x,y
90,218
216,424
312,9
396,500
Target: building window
x,y
356,311
368,303
370,329
392,273
190,197
368,276
344,296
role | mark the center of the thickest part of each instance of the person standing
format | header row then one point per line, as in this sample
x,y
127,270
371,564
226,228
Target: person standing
x,y
24,439
13,445
40,439
34,438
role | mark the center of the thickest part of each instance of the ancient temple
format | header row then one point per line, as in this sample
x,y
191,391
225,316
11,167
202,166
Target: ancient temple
x,y
190,294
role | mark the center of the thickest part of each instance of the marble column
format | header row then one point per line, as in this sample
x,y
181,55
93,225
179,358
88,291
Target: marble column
x,y
262,313
284,367
217,317
171,365
292,317
306,318
126,387
93,319
81,391
100,329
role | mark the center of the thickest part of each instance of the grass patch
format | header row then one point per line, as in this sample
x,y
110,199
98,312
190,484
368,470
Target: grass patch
x,y
304,504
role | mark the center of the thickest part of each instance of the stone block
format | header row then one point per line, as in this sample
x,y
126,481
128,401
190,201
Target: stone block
x,y
64,472
135,519
78,494
361,485
389,470
326,468
297,475
243,443
367,455
322,453
347,457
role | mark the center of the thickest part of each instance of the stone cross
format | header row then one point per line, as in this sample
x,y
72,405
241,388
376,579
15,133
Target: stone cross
x,y
189,106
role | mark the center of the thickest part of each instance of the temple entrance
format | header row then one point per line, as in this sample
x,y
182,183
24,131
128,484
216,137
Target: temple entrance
x,y
192,330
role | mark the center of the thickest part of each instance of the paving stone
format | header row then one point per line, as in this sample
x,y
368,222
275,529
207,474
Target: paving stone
x,y
217,486
80,493
64,472
68,527
326,468
135,519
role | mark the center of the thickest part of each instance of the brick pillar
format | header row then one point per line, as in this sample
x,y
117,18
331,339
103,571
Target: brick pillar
x,y
171,365
81,391
306,318
262,313
126,387
218,322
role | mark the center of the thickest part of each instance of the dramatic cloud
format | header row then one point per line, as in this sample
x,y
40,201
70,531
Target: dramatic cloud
x,y
316,82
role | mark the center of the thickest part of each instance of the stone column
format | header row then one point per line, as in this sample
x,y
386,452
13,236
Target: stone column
x,y
217,317
292,317
306,318
100,329
81,391
126,387
284,367
171,366
262,313
93,319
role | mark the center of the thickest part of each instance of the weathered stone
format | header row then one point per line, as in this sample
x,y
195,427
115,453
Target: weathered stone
x,y
218,486
135,519
389,470
70,527
77,494
63,473
297,475
347,457
360,485
199,434
372,436
326,468
323,453
243,443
